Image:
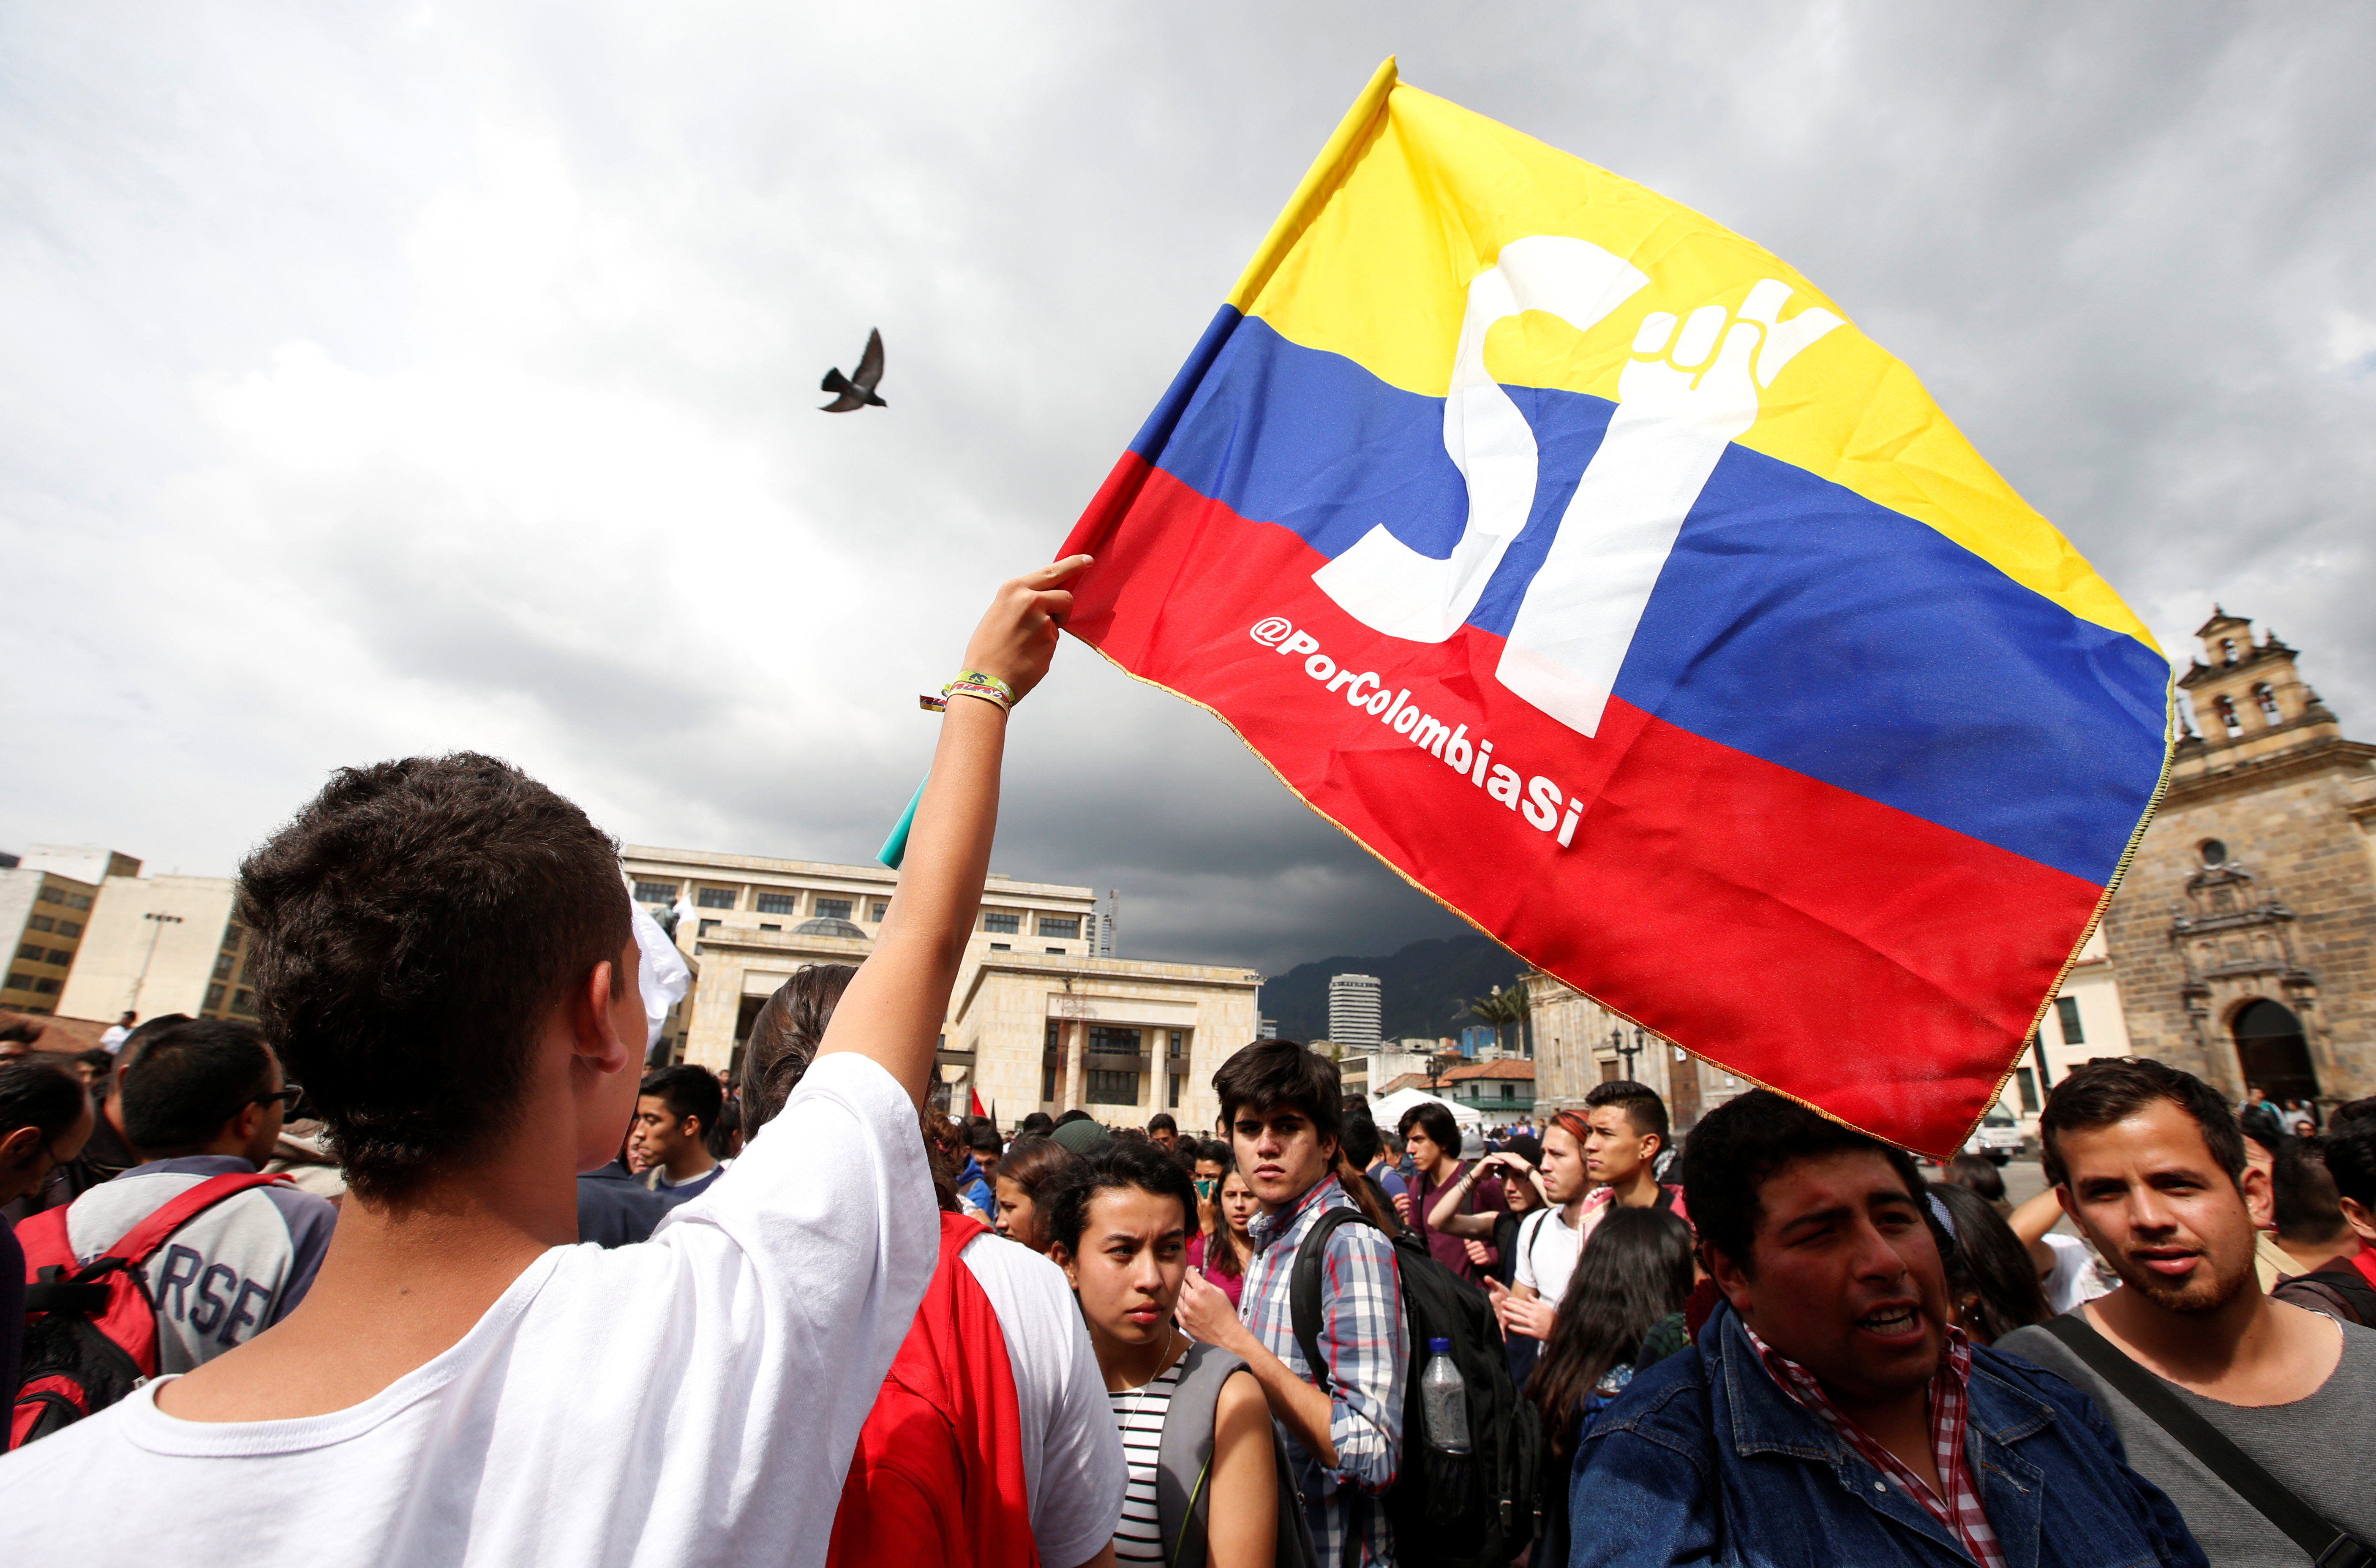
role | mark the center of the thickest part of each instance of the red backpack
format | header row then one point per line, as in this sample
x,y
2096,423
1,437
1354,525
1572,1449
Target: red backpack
x,y
91,1329
938,1476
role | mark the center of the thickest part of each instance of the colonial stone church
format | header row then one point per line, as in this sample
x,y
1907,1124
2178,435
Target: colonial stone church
x,y
2245,936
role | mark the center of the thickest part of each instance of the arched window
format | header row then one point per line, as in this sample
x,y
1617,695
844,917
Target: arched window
x,y
2226,708
2214,852
2227,650
2268,701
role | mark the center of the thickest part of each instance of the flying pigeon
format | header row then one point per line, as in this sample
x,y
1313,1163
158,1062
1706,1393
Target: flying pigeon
x,y
857,390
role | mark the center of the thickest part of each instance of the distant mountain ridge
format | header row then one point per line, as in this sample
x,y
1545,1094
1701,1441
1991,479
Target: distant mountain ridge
x,y
1422,989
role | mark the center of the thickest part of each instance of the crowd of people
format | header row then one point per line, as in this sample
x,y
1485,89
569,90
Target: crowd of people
x,y
507,1294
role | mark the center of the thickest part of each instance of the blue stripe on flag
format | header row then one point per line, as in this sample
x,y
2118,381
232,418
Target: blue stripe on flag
x,y
1796,621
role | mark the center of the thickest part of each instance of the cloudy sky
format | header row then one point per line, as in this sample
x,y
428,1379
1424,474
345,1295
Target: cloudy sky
x,y
385,379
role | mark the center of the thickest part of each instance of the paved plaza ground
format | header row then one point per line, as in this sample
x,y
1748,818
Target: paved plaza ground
x,y
2025,1178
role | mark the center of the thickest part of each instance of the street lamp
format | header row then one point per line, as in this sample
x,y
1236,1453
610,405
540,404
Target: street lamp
x,y
156,930
1618,1043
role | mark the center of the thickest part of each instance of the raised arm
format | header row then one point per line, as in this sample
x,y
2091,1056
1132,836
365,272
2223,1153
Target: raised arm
x,y
1446,1215
899,1001
2035,1217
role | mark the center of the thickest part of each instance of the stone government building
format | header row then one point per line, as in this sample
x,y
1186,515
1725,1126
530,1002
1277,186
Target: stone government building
x,y
1043,1017
2245,935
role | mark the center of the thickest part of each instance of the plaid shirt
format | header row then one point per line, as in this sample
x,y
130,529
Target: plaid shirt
x,y
1361,1334
1960,1510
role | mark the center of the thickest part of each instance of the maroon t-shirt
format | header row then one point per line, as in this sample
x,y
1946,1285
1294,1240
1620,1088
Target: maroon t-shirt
x,y
1453,1251
1230,1284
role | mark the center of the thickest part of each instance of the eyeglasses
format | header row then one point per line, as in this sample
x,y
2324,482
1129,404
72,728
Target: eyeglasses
x,y
288,1095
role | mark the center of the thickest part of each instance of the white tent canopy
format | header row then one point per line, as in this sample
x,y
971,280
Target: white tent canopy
x,y
1386,1109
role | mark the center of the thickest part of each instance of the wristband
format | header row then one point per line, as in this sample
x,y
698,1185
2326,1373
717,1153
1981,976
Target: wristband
x,y
970,684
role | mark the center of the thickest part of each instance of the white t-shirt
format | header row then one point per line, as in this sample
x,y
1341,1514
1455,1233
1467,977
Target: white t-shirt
x,y
1068,1429
1546,1253
694,1399
2072,1279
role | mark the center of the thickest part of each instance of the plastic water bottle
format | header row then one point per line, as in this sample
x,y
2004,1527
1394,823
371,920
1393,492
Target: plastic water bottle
x,y
1444,1398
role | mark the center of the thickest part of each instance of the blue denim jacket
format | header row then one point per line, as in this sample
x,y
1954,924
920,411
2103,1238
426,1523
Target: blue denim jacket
x,y
1703,1459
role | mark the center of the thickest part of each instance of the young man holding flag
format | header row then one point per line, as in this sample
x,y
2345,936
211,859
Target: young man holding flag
x,y
448,963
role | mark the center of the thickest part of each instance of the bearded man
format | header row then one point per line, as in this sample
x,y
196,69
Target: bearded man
x,y
2148,1161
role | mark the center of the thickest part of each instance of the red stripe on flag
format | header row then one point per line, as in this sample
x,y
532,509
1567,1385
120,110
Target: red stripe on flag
x,y
1863,959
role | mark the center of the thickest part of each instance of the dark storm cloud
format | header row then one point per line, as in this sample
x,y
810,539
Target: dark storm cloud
x,y
412,381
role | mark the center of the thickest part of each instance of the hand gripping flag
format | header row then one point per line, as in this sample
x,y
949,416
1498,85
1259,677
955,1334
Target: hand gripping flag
x,y
1587,564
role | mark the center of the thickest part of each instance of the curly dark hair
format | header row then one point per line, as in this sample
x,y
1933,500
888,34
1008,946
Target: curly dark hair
x,y
1741,1144
1105,1168
415,924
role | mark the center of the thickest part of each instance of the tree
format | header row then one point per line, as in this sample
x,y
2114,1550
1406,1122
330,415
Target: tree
x,y
1503,1006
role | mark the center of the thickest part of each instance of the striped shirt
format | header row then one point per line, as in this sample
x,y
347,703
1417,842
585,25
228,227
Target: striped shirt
x,y
1140,1413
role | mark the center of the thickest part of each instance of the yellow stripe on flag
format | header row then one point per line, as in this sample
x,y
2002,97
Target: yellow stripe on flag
x,y
1414,196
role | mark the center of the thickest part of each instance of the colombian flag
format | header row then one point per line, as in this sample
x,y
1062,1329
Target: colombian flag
x,y
1587,564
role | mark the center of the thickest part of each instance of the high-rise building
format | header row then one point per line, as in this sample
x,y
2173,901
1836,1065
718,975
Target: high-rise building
x,y
1103,925
1354,1014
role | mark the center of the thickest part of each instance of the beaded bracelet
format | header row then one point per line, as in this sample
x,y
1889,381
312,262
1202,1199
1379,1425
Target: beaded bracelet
x,y
970,684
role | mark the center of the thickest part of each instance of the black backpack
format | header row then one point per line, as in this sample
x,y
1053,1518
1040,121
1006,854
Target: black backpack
x,y
1472,1510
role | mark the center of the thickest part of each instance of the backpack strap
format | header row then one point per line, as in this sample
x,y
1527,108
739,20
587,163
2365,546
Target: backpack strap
x,y
1184,1464
1529,1231
2328,1545
132,1249
1303,1286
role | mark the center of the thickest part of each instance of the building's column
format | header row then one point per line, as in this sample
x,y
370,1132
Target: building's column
x,y
1076,1045
717,1008
1683,1084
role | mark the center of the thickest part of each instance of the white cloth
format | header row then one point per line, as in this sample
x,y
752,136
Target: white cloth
x,y
1386,1109
694,1399
2073,1279
111,1038
1547,1253
663,976
1068,1432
